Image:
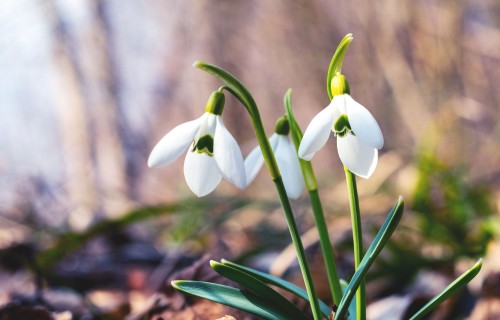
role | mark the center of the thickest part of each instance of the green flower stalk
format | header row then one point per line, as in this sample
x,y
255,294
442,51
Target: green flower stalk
x,y
357,240
358,139
317,207
243,95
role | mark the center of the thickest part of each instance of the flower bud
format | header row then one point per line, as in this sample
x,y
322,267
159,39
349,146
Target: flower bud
x,y
339,85
215,103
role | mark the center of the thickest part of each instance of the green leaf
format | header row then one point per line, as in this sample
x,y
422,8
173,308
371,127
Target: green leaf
x,y
455,286
239,299
336,63
384,234
352,305
259,288
280,283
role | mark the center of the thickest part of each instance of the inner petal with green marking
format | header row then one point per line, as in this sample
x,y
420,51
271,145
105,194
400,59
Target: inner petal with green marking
x,y
205,144
341,126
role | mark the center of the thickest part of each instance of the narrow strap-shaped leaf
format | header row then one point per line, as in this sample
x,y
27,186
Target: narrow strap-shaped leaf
x,y
450,290
352,305
239,299
378,243
280,283
259,288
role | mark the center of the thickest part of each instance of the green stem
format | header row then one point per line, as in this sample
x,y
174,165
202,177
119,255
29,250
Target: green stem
x,y
357,238
299,248
241,93
326,247
319,217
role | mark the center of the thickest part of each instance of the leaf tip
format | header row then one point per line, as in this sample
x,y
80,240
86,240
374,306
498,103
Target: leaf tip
x,y
176,284
198,63
479,264
214,264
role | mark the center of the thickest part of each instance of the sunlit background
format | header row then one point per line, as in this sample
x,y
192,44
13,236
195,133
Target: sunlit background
x,y
87,88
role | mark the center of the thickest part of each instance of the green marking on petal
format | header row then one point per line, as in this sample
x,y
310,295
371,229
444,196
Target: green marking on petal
x,y
342,126
205,145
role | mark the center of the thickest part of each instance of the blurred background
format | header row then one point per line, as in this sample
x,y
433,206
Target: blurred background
x,y
87,88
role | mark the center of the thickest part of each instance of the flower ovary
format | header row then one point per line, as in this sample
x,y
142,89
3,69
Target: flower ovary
x,y
215,103
282,126
339,85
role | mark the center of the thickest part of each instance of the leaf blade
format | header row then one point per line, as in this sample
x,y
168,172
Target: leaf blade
x,y
259,288
239,299
450,290
377,245
278,282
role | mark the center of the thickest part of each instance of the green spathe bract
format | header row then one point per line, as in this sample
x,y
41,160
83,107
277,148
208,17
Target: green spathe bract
x,y
336,63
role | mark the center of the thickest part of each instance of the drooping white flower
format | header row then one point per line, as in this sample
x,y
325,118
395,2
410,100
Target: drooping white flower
x,y
212,152
358,135
286,157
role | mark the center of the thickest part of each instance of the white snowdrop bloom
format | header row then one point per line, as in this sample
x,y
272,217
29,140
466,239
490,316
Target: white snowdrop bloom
x,y
212,152
358,135
286,157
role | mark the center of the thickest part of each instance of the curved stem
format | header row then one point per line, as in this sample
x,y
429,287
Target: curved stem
x,y
241,93
357,238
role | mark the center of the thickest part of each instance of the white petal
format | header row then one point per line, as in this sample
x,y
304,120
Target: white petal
x,y
174,143
340,107
288,163
228,156
201,173
254,160
360,158
317,133
363,124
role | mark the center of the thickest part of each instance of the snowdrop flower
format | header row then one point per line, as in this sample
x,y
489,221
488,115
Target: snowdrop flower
x,y
358,134
212,152
286,157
